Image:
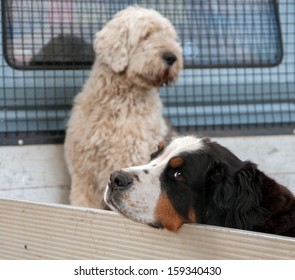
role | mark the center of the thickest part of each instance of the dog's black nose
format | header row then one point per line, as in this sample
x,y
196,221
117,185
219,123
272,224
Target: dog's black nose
x,y
120,179
169,58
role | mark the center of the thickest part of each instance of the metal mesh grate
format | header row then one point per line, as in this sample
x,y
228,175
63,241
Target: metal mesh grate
x,y
239,57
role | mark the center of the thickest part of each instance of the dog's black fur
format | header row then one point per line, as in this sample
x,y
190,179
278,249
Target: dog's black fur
x,y
225,191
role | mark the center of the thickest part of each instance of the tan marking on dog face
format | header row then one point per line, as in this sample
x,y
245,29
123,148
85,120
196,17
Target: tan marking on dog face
x,y
176,162
167,215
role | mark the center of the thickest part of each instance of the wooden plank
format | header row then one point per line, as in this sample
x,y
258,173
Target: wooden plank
x,y
43,231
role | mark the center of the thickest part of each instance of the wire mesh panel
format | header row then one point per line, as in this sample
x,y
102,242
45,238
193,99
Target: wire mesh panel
x,y
239,64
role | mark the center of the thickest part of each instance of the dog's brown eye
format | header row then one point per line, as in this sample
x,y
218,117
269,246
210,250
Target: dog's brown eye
x,y
178,175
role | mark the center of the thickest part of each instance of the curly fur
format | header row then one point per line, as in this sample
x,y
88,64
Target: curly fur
x,y
117,117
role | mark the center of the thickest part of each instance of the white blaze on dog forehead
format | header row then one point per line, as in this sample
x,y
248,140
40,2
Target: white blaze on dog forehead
x,y
177,146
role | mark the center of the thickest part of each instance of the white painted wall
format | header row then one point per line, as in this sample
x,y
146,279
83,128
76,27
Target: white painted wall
x,y
35,173
274,155
38,172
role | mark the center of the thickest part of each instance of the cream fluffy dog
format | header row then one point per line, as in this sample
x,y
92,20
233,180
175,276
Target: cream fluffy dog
x,y
117,118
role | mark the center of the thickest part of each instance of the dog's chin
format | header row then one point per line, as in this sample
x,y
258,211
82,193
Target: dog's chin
x,y
164,78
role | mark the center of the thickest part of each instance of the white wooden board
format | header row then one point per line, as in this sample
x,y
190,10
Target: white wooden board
x,y
42,231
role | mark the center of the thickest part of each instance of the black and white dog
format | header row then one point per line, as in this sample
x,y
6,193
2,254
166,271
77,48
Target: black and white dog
x,y
193,180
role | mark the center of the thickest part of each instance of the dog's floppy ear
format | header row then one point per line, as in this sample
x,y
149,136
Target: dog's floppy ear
x,y
220,186
248,194
216,172
110,44
236,195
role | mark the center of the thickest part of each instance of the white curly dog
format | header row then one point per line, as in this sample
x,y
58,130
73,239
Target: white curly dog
x,y
116,120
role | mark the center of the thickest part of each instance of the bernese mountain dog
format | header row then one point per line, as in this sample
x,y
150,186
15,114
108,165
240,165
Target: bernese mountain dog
x,y
196,180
